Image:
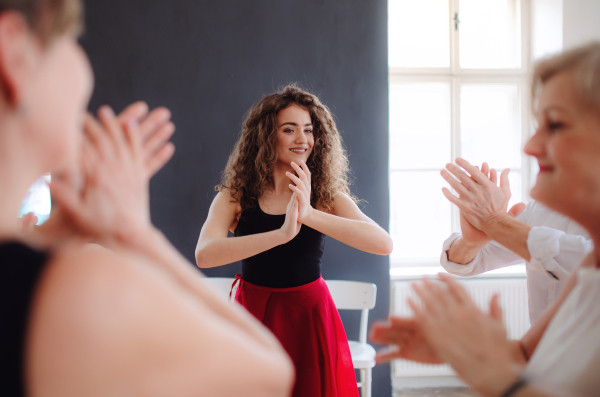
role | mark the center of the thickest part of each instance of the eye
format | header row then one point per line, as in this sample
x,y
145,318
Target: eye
x,y
288,130
555,126
308,131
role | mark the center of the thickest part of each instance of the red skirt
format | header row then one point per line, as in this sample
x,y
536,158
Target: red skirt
x,y
308,325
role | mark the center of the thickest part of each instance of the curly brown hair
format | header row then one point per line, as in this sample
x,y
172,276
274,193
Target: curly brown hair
x,y
249,170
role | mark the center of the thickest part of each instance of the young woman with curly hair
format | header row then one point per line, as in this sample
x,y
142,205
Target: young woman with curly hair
x,y
285,187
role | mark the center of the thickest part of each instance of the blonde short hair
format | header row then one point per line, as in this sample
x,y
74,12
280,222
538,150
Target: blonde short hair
x,y
48,18
584,61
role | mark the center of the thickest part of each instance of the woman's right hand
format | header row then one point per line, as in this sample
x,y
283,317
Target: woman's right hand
x,y
111,205
291,226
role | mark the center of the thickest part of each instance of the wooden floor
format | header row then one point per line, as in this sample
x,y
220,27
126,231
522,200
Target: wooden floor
x,y
436,392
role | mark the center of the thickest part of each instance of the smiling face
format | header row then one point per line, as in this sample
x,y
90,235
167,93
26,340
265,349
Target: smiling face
x,y
567,147
295,138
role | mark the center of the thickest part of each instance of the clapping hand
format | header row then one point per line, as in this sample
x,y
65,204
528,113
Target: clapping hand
x,y
480,200
301,187
109,201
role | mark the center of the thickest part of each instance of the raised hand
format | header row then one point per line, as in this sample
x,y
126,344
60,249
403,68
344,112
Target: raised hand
x,y
480,200
473,343
291,225
407,340
117,163
469,232
301,188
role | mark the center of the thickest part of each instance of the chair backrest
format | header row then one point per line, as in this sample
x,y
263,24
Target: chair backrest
x,y
222,285
354,295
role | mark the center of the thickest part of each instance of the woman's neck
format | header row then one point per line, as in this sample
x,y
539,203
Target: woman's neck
x,y
281,181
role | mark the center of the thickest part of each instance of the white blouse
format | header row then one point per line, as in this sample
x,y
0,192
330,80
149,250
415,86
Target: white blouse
x,y
557,245
567,359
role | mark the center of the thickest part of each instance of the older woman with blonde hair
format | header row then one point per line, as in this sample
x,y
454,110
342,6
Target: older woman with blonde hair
x,y
560,355
84,320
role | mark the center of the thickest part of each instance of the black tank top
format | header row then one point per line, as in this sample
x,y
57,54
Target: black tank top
x,y
21,269
295,263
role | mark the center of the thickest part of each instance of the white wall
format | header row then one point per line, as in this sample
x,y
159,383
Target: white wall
x,y
581,22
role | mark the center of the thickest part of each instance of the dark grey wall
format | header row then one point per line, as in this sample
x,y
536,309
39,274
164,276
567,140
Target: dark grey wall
x,y
208,61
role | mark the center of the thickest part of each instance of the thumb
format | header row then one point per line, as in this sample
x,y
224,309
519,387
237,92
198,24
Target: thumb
x,y
495,308
516,209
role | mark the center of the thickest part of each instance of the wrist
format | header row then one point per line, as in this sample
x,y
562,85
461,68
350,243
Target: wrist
x,y
491,224
139,238
310,217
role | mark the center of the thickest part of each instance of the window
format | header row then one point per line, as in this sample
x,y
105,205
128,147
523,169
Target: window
x,y
37,200
458,88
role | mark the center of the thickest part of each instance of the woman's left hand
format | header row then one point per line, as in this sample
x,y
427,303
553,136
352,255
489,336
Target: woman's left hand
x,y
302,189
473,343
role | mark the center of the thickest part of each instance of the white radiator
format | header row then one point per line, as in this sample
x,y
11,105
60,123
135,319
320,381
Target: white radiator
x,y
513,298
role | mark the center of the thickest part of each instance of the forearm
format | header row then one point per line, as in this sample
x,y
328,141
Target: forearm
x,y
510,233
362,235
462,251
223,250
158,250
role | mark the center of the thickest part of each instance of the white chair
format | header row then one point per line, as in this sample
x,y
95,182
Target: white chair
x,y
353,295
347,295
222,285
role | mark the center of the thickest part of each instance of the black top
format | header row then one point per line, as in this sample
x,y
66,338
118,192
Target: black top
x,y
292,264
21,269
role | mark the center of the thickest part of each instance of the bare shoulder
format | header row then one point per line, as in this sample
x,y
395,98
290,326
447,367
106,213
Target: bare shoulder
x,y
146,334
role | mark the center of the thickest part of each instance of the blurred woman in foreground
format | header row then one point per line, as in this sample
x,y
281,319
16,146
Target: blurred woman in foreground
x,y
560,355
83,320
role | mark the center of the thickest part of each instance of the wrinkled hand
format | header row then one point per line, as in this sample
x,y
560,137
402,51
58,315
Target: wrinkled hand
x,y
111,202
301,189
291,225
473,343
407,340
480,200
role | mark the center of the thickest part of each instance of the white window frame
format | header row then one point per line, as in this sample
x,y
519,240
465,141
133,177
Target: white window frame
x,y
456,76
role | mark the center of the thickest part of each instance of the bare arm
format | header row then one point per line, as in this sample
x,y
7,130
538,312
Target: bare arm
x,y
511,233
349,225
214,248
147,335
346,223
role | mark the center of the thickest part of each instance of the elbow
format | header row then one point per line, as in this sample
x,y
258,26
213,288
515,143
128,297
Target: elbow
x,y
201,259
387,246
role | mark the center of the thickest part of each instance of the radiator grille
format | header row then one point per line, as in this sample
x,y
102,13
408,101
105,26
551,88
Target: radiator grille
x,y
513,298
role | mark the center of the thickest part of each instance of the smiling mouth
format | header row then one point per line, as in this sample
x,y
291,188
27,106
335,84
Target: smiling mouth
x,y
299,151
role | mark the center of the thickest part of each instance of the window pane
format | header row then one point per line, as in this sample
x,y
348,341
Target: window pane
x,y
514,179
419,33
490,34
419,125
491,124
37,200
420,215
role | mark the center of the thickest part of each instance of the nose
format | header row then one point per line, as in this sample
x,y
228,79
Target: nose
x,y
301,137
536,145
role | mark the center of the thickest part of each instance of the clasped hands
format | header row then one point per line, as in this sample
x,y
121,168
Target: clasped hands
x,y
299,208
104,196
482,203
